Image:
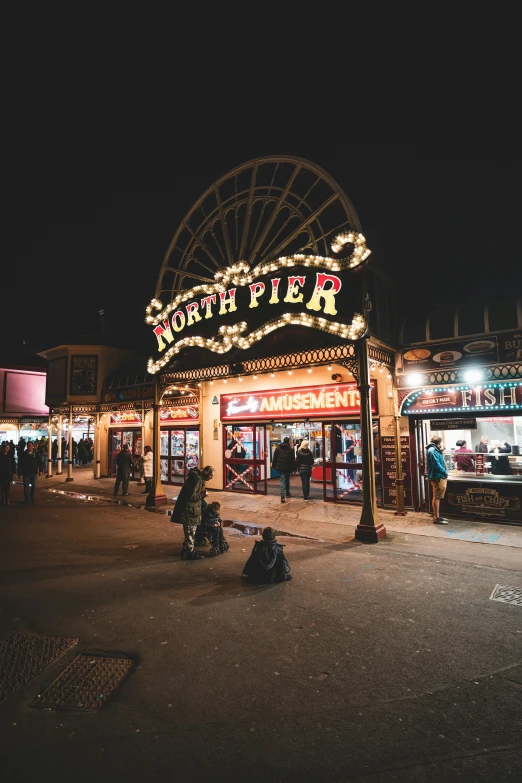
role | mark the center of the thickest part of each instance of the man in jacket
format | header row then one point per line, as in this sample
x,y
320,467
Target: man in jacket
x,y
438,477
28,470
124,466
7,469
304,462
187,510
284,462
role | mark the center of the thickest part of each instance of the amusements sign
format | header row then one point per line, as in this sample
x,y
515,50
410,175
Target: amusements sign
x,y
342,399
389,474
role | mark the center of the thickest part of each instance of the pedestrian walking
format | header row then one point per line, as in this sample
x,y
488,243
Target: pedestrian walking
x,y
438,477
28,471
304,462
283,461
267,562
7,469
187,510
147,466
124,465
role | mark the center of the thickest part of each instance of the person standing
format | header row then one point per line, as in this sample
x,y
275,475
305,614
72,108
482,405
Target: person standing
x,y
500,465
464,463
28,471
304,463
187,510
124,465
438,477
482,447
7,469
284,462
147,465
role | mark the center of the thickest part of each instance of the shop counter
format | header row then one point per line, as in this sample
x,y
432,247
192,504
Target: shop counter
x,y
486,498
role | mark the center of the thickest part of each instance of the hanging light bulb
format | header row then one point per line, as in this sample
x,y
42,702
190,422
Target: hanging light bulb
x,y
271,374
255,377
329,366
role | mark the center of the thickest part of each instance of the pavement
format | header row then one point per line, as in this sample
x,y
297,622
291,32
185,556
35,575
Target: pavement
x,y
313,519
379,664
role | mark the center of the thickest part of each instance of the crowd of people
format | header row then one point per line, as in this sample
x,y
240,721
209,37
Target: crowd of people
x,y
28,460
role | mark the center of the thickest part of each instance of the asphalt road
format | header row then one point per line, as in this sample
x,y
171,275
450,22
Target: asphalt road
x,y
385,662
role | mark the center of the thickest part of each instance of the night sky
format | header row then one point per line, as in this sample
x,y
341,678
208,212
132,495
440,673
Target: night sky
x,y
81,234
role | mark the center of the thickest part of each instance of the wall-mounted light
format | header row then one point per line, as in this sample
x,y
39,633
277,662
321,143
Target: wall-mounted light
x,y
309,369
329,366
473,375
271,374
414,379
255,377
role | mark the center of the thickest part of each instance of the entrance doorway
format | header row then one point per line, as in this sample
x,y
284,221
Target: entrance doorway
x,y
337,473
179,452
133,440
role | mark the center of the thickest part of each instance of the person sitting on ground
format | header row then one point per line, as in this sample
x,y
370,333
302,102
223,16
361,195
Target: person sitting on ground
x,y
267,562
211,529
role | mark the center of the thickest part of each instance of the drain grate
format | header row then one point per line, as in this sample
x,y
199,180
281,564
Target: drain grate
x,y
85,684
507,594
23,657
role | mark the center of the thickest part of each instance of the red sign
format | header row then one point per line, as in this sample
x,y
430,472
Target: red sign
x,y
126,417
300,402
183,413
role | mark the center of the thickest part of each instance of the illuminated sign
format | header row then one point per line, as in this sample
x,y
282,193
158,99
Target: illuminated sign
x,y
126,417
182,413
302,401
485,397
208,316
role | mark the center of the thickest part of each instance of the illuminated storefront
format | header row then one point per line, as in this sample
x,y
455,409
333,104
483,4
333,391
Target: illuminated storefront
x,y
481,430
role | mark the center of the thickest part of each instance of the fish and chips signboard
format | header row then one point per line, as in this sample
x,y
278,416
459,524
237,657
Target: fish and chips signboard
x,y
483,398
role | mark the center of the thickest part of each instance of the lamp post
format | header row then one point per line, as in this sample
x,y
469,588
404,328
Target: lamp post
x,y
157,497
49,449
70,460
59,445
370,529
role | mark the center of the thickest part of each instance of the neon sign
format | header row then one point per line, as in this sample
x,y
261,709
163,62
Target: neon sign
x,y
310,296
340,400
483,397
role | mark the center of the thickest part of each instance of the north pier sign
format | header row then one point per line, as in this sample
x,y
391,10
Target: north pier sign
x,y
242,306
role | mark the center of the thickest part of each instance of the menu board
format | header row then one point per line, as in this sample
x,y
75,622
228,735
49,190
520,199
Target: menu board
x,y
389,487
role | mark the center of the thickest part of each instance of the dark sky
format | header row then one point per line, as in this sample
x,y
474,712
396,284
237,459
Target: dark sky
x,y
82,234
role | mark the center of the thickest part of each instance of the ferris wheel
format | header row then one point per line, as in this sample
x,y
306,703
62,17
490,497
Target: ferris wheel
x,y
263,209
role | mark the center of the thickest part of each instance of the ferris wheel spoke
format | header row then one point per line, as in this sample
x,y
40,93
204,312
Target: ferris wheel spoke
x,y
270,223
310,219
225,228
250,201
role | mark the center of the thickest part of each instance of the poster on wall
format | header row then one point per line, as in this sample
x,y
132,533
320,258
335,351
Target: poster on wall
x,y
84,375
389,474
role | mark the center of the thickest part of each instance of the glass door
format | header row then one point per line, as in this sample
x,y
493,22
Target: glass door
x,y
179,452
132,438
343,468
245,460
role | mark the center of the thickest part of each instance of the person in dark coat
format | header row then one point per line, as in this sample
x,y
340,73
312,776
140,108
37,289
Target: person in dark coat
x,y
54,451
284,462
7,469
211,529
124,465
187,510
304,462
500,465
28,471
267,562
482,447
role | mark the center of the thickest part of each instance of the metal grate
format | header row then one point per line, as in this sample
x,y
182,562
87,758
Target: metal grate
x,y
507,594
23,657
85,684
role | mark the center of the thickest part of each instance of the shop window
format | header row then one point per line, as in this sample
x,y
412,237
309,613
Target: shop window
x,y
471,318
442,325
502,315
